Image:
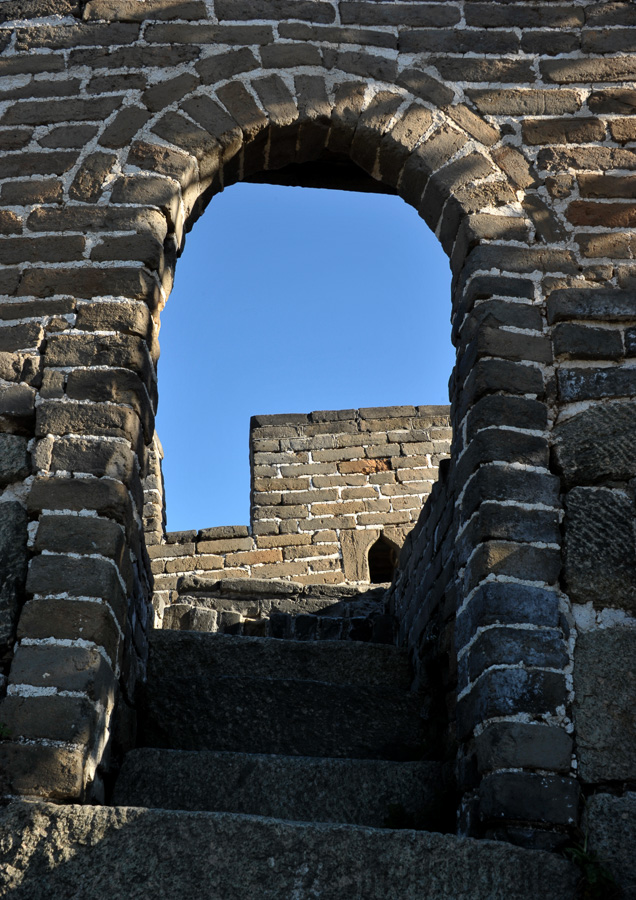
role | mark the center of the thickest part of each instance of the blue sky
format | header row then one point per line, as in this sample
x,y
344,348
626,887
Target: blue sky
x,y
289,300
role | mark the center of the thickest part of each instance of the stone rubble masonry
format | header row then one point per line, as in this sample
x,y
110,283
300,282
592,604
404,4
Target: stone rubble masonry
x,y
324,486
510,127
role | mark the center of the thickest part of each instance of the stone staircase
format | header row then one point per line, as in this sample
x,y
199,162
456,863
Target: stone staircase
x,y
271,770
301,769
272,607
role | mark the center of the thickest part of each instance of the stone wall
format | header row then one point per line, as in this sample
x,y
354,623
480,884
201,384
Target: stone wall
x,y
324,487
510,127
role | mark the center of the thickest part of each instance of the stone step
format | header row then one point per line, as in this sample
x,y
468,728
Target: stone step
x,y
125,853
340,662
190,616
300,788
181,710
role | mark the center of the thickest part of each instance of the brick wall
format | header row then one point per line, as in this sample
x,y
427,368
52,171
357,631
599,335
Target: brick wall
x,y
510,127
324,487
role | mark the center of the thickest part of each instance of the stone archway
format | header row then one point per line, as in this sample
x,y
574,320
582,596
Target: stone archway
x,y
123,170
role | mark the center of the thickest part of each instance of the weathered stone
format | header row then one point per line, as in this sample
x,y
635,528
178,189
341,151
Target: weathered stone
x,y
79,669
505,745
71,620
598,304
88,183
360,792
13,568
80,534
609,822
24,193
131,11
77,577
52,717
526,102
597,443
124,127
542,798
507,692
104,495
88,281
113,459
604,697
600,547
14,458
37,770
388,863
51,112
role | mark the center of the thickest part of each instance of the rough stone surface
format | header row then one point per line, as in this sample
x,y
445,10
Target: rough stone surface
x,y
56,850
13,568
600,547
610,824
292,703
357,792
597,443
14,458
605,700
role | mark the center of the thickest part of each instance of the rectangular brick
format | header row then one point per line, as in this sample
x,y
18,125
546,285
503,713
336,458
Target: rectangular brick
x,y
307,10
563,131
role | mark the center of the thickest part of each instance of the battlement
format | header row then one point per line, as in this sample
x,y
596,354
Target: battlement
x,y
326,488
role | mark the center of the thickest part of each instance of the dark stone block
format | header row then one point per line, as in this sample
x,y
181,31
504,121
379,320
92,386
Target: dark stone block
x,y
600,549
508,745
509,646
523,795
597,443
595,384
506,692
13,568
601,304
604,703
14,458
501,603
610,826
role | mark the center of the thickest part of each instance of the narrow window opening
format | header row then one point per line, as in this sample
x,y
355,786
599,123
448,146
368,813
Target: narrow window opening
x,y
383,557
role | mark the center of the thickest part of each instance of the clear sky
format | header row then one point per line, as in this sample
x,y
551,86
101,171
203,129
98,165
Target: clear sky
x,y
289,300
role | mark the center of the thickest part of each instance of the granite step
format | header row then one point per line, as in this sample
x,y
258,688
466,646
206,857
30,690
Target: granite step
x,y
126,853
259,695
280,715
299,788
338,662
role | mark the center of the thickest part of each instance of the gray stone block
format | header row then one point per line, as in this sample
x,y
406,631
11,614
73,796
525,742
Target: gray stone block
x,y
506,745
330,661
610,825
597,443
291,697
13,567
600,549
604,704
14,458
304,789
128,854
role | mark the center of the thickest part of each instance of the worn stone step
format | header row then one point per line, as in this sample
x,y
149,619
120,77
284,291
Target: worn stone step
x,y
207,711
354,791
297,626
125,853
339,662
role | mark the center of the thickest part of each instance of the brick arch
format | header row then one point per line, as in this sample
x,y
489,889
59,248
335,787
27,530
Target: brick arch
x,y
93,425
438,159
